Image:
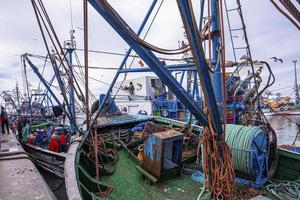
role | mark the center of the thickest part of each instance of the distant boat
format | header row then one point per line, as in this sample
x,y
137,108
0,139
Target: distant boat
x,y
282,111
50,161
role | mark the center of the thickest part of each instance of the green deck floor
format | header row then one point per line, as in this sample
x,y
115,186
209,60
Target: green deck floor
x,y
128,184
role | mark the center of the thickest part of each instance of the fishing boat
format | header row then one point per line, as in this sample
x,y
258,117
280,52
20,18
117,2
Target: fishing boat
x,y
37,138
121,156
124,175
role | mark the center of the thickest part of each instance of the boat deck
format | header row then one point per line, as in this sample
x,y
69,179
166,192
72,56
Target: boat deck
x,y
129,184
19,178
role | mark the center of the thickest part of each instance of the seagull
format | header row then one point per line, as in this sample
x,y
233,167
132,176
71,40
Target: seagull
x,y
244,57
277,59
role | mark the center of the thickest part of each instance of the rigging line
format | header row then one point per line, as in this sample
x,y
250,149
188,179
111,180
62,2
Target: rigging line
x,y
271,75
123,54
86,64
82,75
224,90
71,13
38,15
209,35
291,8
80,69
105,5
59,46
284,88
82,82
151,23
43,70
287,90
94,67
105,83
248,51
44,58
285,14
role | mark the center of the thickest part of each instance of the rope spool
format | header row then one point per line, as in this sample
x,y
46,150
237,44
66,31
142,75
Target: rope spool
x,y
250,149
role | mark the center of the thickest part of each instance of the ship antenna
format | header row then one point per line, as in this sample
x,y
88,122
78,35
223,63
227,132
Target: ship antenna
x,y
71,13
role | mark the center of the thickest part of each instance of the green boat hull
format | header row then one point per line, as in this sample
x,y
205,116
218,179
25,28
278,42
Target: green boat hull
x,y
127,182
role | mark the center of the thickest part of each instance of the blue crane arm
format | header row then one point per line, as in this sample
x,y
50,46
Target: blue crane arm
x,y
45,83
117,23
202,67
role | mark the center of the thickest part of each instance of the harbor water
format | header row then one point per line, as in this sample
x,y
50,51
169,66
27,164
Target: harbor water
x,y
285,128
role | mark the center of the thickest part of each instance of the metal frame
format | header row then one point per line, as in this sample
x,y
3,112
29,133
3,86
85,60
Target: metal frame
x,y
45,83
151,60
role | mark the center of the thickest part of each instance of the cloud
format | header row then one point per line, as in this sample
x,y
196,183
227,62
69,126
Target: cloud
x,y
269,34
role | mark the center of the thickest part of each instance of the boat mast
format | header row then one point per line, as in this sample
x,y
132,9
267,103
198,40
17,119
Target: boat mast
x,y
216,51
296,82
86,64
70,46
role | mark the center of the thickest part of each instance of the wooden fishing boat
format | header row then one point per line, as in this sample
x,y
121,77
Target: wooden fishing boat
x,y
287,164
127,177
50,161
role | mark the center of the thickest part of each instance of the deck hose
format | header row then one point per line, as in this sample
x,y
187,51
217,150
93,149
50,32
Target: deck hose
x,y
250,150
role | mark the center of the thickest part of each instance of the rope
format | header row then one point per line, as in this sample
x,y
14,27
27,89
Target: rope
x,y
217,169
291,8
285,14
240,139
106,6
284,189
151,23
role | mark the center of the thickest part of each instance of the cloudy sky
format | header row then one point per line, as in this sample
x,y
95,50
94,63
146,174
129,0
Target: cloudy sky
x,y
270,34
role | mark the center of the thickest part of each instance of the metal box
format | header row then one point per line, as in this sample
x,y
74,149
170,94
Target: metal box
x,y
163,153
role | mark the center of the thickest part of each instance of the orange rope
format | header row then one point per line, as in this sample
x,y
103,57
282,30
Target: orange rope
x,y
209,34
218,169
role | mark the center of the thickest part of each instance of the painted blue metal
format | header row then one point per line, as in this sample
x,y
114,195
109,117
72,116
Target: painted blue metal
x,y
201,64
119,69
150,59
63,91
45,83
182,77
71,85
171,68
201,14
216,53
137,70
110,104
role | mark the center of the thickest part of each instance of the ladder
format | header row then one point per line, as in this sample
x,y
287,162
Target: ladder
x,y
237,32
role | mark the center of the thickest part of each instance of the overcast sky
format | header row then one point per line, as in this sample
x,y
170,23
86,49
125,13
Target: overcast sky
x,y
270,34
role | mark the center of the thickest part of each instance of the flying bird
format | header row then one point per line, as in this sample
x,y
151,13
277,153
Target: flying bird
x,y
244,57
277,59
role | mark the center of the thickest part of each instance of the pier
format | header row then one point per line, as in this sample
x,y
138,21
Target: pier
x,y
19,178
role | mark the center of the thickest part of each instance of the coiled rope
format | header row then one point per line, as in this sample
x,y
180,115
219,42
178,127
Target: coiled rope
x,y
285,189
241,139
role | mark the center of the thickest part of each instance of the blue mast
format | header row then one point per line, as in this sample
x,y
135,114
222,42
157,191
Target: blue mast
x,y
70,46
216,59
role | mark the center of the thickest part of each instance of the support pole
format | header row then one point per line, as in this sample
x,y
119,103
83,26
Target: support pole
x,y
149,57
71,85
296,82
118,72
86,64
216,51
36,71
202,67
